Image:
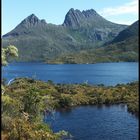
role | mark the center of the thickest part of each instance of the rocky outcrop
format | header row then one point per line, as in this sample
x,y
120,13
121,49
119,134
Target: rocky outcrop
x,y
24,27
89,22
32,20
87,18
76,18
73,18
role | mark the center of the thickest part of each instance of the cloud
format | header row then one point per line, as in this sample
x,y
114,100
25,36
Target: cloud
x,y
125,22
128,8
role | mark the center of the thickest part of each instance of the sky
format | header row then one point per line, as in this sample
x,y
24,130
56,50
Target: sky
x,y
54,11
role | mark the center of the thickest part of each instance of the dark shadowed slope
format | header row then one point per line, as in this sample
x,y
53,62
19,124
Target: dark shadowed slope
x,y
129,32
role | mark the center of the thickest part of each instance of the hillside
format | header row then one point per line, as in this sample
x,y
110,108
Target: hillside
x,y
130,32
124,47
81,31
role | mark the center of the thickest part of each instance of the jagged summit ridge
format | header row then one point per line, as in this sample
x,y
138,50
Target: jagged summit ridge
x,y
77,18
73,18
32,20
88,22
89,13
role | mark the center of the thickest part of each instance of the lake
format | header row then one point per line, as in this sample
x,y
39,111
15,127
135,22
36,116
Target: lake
x,y
86,122
96,123
101,73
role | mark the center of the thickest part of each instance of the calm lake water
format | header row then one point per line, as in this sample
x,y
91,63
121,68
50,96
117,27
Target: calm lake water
x,y
96,123
89,122
101,73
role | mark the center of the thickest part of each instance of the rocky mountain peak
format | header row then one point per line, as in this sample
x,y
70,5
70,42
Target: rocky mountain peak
x,y
73,18
23,28
76,18
72,10
32,20
89,13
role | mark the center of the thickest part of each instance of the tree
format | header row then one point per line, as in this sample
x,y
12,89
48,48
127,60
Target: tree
x,y
10,51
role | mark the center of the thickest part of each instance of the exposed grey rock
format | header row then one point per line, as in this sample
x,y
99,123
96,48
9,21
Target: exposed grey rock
x,y
31,20
96,27
73,18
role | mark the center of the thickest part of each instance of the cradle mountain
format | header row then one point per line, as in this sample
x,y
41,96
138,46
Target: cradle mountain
x,y
83,37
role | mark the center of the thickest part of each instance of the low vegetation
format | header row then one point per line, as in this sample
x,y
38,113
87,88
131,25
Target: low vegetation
x,y
26,101
21,111
23,106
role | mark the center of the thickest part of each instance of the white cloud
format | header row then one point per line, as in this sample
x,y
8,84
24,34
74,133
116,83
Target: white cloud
x,y
125,22
128,8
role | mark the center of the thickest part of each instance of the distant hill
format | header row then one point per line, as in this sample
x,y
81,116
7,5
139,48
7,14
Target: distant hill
x,y
81,31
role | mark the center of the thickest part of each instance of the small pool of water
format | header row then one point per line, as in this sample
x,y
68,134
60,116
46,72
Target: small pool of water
x,y
96,123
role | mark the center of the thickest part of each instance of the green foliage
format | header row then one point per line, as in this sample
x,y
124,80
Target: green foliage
x,y
125,51
24,130
25,101
22,111
10,51
64,101
32,103
66,95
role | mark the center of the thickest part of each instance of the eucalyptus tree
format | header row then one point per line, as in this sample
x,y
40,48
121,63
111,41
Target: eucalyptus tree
x,y
10,51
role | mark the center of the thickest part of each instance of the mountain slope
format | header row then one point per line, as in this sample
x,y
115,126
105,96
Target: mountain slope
x,y
91,25
40,41
123,48
37,40
131,31
126,43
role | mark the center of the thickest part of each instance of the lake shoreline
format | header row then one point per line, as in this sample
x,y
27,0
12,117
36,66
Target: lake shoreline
x,y
26,99
16,62
136,114
70,92
31,98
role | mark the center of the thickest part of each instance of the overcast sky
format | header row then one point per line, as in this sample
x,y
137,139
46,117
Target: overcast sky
x,y
54,11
